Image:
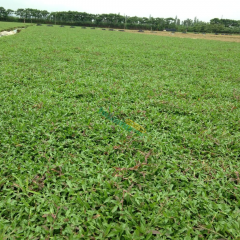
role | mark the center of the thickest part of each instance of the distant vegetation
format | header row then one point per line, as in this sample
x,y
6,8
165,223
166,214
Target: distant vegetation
x,y
119,21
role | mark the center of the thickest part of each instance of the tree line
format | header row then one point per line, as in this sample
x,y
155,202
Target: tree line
x,y
118,21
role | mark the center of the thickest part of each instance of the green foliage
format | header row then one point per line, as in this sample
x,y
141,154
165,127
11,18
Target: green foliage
x,y
68,173
225,22
112,20
3,13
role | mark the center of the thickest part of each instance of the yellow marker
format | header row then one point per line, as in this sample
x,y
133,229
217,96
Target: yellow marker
x,y
135,125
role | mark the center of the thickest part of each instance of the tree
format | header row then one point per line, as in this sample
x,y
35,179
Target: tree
x,y
143,20
169,22
159,23
20,12
217,28
188,22
195,21
29,13
9,12
3,13
44,14
133,20
175,20
120,19
215,21
98,19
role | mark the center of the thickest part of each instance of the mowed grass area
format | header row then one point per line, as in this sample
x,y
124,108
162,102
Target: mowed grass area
x,y
5,26
67,172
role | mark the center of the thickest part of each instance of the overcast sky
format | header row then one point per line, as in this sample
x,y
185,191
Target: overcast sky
x,y
202,9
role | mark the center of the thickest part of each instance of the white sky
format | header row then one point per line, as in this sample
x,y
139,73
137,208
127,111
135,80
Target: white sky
x,y
202,9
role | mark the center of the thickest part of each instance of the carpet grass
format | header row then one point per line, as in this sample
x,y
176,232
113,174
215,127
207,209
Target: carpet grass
x,y
67,172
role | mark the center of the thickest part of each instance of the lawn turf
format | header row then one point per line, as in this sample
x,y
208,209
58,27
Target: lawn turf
x,y
69,173
7,26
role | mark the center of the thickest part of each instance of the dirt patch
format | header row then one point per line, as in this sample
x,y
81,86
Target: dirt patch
x,y
8,33
207,36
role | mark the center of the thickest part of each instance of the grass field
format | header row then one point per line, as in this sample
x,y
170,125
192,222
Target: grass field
x,y
207,36
5,26
66,172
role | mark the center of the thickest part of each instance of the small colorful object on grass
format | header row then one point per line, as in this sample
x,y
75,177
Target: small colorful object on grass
x,y
130,126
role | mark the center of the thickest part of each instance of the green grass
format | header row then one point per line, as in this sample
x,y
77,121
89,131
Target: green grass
x,y
66,172
6,26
